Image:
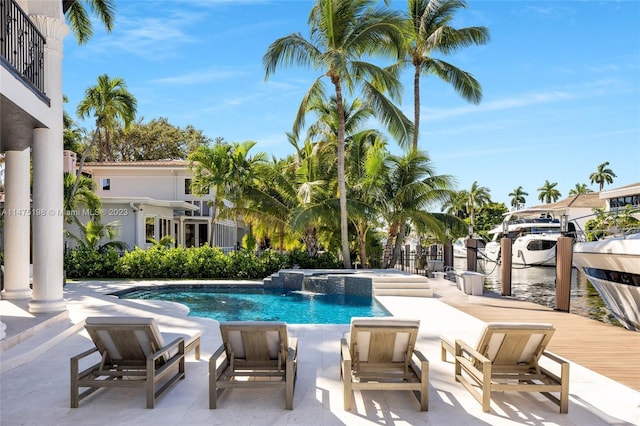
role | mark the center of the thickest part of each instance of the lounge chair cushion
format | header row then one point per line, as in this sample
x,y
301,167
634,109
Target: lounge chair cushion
x,y
273,337
147,346
496,340
363,339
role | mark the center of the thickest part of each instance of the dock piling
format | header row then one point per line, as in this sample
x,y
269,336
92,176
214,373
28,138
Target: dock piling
x,y
505,268
564,263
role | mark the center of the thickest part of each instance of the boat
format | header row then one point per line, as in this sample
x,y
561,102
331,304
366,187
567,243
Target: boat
x,y
612,265
460,248
533,233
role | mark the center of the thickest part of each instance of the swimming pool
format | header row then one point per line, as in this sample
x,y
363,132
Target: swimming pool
x,y
263,304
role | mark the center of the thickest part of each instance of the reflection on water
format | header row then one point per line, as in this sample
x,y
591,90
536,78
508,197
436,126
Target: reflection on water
x,y
537,284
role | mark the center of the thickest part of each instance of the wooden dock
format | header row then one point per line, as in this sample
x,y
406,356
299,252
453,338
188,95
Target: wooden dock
x,y
606,349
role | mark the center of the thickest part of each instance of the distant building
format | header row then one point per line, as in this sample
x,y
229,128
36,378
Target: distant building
x,y
617,199
153,199
580,208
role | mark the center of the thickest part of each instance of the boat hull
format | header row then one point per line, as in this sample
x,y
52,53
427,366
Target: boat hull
x,y
528,250
613,267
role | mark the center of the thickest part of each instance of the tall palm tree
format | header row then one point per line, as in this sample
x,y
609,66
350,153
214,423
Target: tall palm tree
x,y
110,103
580,188
343,34
228,170
518,197
429,31
456,204
409,186
602,175
478,196
79,20
548,192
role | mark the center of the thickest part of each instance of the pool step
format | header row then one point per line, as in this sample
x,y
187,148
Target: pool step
x,y
401,285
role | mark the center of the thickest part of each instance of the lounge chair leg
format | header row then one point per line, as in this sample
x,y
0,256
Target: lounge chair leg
x,y
290,383
346,380
424,392
564,391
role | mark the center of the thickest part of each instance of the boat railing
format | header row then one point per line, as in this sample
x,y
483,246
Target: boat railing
x,y
609,224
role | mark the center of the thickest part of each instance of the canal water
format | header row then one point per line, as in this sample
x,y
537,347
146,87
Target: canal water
x,y
537,284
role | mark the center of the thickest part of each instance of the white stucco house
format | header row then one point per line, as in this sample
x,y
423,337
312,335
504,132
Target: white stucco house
x,y
153,199
31,44
581,207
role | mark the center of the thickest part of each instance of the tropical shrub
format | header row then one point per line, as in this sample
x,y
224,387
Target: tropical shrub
x,y
174,263
87,263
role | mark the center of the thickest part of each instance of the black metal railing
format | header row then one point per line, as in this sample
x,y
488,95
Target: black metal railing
x,y
22,46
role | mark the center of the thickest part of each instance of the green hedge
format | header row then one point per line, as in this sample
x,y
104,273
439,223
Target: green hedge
x,y
195,262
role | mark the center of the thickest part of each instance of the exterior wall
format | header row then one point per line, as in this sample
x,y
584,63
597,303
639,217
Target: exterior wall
x,y
157,183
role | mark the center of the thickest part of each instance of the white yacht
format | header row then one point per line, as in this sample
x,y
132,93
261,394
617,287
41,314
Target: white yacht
x,y
612,265
534,234
460,248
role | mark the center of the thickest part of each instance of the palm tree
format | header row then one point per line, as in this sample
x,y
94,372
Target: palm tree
x,y
110,103
409,186
517,197
341,34
79,20
580,188
84,195
429,31
602,175
92,234
548,192
227,169
478,196
456,204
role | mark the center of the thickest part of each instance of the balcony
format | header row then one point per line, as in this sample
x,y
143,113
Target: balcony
x,y
22,48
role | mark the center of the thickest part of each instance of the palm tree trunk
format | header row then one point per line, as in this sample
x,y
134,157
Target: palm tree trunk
x,y
397,246
362,243
83,157
214,213
342,186
388,248
416,106
311,241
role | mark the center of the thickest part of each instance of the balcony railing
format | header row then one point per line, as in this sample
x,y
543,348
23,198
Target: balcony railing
x,y
22,46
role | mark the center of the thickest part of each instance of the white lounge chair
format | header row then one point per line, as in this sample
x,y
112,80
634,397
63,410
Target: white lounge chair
x,y
506,358
259,354
380,354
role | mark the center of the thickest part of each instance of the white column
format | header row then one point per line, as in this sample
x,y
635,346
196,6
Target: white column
x,y
48,241
16,225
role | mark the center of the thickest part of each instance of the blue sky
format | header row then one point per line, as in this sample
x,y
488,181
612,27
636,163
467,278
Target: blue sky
x,y
561,84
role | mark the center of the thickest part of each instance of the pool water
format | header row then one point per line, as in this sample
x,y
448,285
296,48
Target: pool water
x,y
259,304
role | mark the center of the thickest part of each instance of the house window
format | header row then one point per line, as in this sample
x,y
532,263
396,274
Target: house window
x,y
149,226
106,184
187,186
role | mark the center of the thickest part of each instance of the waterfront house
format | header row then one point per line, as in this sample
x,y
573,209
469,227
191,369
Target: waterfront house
x,y
580,207
153,199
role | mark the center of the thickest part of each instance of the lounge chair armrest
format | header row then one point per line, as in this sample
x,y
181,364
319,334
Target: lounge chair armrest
x,y
83,354
214,368
179,343
446,346
344,350
420,356
555,357
293,347
471,351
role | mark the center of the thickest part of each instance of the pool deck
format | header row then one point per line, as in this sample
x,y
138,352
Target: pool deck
x,y
34,381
